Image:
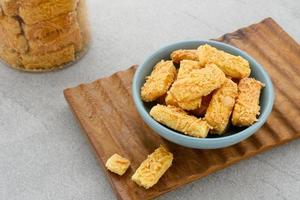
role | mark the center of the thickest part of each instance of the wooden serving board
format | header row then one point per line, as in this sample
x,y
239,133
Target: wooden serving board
x,y
106,112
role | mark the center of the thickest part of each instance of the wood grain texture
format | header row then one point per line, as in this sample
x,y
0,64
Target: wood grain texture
x,y
106,112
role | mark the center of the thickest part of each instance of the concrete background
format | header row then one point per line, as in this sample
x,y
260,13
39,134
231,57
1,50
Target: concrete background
x,y
44,155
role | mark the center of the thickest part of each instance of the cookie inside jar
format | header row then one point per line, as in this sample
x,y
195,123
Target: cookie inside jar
x,y
43,35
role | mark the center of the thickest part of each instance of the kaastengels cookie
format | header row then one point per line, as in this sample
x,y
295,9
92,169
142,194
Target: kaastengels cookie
x,y
153,168
160,80
247,106
117,164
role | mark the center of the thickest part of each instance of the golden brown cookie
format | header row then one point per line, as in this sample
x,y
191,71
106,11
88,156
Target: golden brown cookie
x,y
153,168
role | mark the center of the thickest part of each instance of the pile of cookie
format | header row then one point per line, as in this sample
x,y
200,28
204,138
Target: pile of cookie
x,y
39,35
202,91
196,92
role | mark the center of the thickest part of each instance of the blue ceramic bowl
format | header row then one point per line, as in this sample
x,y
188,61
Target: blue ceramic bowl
x,y
234,134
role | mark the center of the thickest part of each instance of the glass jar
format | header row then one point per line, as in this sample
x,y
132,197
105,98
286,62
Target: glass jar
x,y
43,35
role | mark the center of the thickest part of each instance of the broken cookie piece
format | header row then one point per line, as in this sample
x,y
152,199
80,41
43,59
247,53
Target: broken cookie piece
x,y
117,164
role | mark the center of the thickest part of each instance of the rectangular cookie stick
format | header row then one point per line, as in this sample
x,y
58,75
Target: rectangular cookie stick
x,y
221,106
247,105
187,67
160,80
179,120
196,85
184,54
233,66
152,169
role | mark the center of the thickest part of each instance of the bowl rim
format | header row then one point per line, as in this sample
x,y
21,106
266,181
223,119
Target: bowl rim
x,y
150,121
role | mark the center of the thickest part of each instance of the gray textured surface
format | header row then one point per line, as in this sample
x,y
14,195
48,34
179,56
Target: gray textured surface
x,y
44,155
